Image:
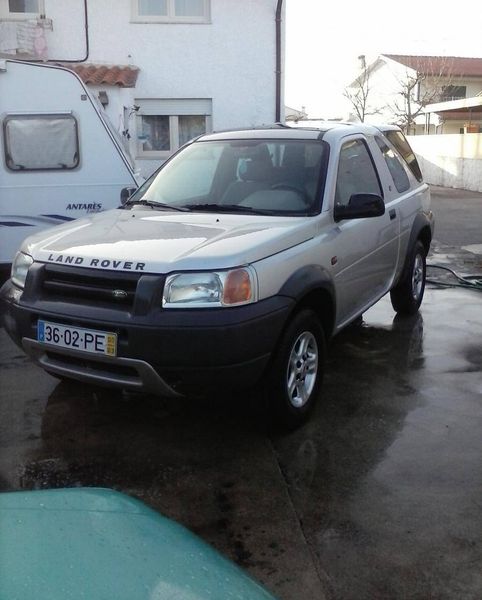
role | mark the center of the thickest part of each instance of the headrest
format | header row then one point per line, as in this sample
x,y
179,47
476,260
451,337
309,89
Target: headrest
x,y
256,170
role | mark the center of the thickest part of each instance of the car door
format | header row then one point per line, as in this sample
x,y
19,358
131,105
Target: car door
x,y
409,191
366,250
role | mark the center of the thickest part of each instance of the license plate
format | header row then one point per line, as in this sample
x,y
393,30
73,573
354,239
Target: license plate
x,y
77,338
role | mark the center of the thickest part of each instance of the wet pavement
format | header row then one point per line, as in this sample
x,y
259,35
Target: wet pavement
x,y
379,496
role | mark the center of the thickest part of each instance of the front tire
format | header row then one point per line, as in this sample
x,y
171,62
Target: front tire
x,y
296,372
407,296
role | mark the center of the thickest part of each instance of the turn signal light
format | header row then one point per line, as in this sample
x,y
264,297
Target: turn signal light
x,y
237,287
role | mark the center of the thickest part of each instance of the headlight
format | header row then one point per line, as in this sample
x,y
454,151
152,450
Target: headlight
x,y
20,267
214,289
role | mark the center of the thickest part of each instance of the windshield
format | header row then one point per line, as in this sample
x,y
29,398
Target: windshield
x,y
277,177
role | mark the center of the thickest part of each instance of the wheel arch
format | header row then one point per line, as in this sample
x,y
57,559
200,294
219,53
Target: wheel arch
x,y
312,287
421,231
425,236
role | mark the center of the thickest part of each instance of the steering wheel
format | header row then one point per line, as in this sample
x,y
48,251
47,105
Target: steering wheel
x,y
293,188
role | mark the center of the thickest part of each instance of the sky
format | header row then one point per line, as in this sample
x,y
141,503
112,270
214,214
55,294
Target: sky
x,y
325,37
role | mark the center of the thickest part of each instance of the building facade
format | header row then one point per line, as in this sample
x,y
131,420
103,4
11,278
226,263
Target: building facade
x,y
402,89
164,70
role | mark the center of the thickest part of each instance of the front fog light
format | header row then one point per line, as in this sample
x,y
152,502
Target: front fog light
x,y
21,264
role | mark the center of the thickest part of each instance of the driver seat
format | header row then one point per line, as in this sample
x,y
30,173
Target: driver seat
x,y
255,174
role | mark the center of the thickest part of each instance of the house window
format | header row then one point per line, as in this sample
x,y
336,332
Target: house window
x,y
41,142
190,126
453,92
21,9
165,125
171,11
155,133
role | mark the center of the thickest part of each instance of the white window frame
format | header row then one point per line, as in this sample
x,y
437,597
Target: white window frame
x,y
171,17
167,108
5,13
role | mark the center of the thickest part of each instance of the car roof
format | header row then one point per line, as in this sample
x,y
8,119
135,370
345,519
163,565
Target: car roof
x,y
280,131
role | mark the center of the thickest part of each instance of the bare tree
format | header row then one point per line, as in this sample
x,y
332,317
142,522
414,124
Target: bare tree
x,y
359,91
424,82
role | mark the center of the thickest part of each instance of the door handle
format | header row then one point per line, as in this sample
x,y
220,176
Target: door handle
x,y
393,213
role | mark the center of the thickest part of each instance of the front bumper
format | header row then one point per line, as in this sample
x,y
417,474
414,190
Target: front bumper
x,y
166,352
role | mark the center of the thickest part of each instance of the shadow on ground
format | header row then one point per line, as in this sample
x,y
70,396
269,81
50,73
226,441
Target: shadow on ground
x,y
378,496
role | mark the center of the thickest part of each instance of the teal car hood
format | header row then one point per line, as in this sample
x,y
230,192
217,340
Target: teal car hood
x,y
98,544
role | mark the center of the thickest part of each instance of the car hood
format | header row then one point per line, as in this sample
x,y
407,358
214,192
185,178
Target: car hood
x,y
97,543
151,241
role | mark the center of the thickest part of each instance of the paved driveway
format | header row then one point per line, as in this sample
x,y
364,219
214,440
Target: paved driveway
x,y
378,497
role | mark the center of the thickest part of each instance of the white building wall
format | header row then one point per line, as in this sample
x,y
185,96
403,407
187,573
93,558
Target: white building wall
x,y
450,160
66,39
230,60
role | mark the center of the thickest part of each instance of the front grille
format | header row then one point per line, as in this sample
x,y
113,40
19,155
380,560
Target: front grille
x,y
89,286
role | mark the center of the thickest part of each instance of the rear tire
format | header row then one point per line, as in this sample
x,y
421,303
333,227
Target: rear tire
x,y
407,296
296,373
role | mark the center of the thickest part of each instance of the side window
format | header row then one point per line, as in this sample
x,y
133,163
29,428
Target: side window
x,y
356,173
400,178
41,142
401,144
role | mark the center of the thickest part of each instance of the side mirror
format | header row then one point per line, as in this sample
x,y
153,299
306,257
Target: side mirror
x,y
126,193
361,206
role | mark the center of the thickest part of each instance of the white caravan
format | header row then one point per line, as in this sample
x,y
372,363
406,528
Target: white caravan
x,y
60,157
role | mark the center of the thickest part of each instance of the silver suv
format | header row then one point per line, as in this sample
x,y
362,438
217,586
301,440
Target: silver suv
x,y
232,266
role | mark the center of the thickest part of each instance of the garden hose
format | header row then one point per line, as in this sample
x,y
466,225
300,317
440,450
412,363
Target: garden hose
x,y
472,282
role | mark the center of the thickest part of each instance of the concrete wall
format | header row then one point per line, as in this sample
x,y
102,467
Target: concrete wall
x,y
450,160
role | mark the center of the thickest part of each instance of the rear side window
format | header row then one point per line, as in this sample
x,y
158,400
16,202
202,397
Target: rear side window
x,y
400,142
400,178
41,142
356,173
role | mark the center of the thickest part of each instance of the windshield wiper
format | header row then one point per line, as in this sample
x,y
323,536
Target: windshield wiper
x,y
228,208
154,204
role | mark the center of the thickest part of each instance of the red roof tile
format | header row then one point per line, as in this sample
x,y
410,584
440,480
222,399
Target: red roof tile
x,y
441,65
120,75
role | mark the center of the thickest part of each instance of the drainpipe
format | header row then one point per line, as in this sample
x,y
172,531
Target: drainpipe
x,y
279,9
87,48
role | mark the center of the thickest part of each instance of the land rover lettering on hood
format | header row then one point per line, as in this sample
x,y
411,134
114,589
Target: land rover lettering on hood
x,y
126,265
231,267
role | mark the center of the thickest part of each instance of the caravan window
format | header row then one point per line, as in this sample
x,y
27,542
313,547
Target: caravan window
x,y
41,142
